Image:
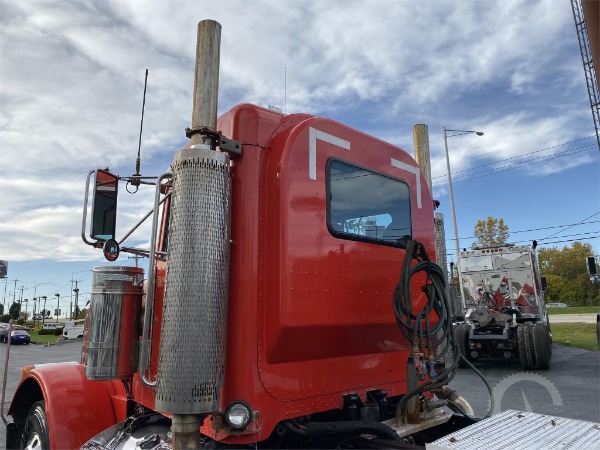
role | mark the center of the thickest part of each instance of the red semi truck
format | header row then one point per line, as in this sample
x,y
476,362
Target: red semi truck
x,y
291,301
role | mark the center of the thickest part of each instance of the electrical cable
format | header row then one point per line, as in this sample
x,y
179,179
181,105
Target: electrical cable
x,y
570,225
489,388
522,155
506,168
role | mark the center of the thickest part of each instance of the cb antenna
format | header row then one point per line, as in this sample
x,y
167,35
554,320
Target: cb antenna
x,y
136,180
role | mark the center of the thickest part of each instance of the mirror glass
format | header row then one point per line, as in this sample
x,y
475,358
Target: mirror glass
x,y
104,209
111,250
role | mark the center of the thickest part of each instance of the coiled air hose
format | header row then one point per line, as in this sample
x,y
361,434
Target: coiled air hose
x,y
424,331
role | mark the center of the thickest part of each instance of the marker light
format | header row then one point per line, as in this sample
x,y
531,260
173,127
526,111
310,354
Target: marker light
x,y
238,415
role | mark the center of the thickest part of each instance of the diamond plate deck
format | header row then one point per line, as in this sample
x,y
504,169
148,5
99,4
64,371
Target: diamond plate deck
x,y
512,429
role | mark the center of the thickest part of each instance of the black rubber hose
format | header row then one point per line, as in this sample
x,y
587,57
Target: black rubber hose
x,y
294,429
351,427
411,324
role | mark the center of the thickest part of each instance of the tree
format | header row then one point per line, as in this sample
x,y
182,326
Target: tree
x,y
566,273
491,232
14,310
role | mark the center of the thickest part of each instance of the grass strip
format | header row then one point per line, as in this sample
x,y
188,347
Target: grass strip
x,y
575,310
579,335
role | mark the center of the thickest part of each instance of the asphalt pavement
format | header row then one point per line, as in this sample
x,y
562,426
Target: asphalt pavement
x,y
573,318
571,388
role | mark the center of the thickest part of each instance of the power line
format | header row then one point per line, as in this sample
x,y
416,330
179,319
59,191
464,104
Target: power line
x,y
520,156
474,176
570,226
507,168
568,240
452,253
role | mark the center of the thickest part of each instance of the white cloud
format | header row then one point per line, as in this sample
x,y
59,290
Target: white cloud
x,y
72,81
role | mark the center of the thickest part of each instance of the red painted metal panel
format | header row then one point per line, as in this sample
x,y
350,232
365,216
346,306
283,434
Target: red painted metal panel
x,y
76,408
327,301
310,315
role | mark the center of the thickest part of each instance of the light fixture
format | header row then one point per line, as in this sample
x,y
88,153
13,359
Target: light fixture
x,y
238,415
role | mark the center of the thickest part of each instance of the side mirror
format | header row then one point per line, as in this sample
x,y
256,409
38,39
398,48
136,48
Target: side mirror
x,y
544,284
104,208
591,266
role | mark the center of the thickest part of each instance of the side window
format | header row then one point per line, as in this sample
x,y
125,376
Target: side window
x,y
367,206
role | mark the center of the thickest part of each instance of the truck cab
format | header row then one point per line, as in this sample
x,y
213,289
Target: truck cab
x,y
505,312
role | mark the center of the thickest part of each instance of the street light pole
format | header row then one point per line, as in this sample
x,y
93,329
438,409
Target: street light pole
x,y
76,290
44,315
57,306
458,133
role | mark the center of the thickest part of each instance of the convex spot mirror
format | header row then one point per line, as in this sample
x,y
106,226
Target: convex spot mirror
x,y
111,250
104,207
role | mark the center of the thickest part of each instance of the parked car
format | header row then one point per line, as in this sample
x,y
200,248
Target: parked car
x,y
16,337
557,305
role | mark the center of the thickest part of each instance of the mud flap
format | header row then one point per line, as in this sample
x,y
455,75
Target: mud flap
x,y
13,436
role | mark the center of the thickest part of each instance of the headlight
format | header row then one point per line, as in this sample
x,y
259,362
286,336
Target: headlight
x,y
238,415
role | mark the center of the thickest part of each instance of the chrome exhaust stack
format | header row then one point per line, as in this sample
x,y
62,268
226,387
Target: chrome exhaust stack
x,y
192,347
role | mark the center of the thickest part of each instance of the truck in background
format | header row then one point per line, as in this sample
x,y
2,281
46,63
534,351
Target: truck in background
x,y
504,303
74,329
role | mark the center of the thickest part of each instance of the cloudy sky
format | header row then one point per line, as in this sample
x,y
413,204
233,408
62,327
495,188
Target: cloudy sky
x,y
72,77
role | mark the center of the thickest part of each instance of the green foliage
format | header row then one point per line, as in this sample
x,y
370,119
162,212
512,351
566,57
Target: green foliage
x,y
566,273
1,309
51,331
491,232
39,338
14,310
5,318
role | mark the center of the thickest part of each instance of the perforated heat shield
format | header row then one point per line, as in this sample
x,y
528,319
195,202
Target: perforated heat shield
x,y
192,347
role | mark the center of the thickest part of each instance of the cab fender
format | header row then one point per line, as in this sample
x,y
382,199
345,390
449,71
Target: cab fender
x,y
76,408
